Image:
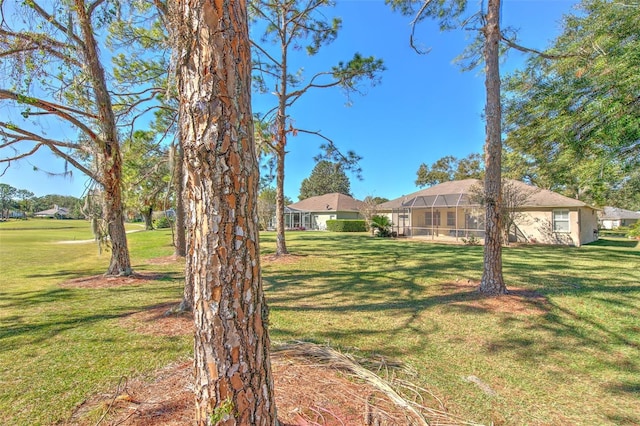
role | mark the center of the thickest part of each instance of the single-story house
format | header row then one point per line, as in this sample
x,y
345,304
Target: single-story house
x,y
313,212
56,212
613,217
452,210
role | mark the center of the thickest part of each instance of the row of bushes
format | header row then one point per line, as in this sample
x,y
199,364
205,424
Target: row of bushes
x,y
346,225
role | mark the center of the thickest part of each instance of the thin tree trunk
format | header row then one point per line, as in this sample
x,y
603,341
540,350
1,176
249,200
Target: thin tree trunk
x,y
233,381
281,244
147,216
492,280
109,147
281,126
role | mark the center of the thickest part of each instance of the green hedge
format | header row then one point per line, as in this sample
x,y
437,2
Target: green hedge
x,y
346,225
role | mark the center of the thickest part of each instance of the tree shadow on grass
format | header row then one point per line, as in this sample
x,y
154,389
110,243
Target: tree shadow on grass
x,y
15,332
37,316
65,274
607,242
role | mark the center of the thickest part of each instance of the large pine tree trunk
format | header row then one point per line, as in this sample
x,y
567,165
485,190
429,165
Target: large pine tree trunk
x,y
233,382
109,146
492,280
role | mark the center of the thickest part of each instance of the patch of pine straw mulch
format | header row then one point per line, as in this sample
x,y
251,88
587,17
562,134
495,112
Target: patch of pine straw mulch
x,y
314,384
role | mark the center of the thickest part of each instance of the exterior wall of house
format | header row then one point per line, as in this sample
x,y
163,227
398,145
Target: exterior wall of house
x,y
610,223
616,223
579,226
588,225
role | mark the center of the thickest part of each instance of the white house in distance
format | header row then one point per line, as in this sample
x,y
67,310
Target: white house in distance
x,y
313,212
448,210
55,212
613,217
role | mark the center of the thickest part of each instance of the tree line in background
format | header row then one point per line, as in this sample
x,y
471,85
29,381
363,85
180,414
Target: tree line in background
x,y
20,203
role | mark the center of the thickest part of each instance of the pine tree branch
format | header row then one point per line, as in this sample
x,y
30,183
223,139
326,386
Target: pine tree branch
x,y
414,23
37,42
297,93
350,162
58,110
93,175
265,53
68,30
511,43
93,6
21,135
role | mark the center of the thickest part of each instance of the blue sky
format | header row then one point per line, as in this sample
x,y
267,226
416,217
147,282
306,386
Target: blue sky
x,y
424,108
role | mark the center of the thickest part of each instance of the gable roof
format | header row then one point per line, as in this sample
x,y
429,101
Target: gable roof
x,y
62,211
457,191
328,202
614,213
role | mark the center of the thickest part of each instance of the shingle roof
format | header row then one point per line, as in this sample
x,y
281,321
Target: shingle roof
x,y
328,202
537,197
63,211
614,213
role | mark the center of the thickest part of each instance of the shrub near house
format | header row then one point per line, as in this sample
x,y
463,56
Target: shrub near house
x,y
346,225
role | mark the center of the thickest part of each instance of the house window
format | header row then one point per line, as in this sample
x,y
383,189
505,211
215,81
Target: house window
x,y
561,221
451,218
432,218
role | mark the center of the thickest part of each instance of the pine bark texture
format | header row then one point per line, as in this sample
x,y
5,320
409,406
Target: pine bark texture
x,y
109,149
233,381
492,280
281,130
180,243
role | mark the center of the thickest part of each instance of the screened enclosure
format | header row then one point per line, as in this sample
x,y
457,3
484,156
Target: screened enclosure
x,y
440,215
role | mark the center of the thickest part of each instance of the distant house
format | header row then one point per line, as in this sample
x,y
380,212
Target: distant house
x,y
450,211
313,212
56,212
613,217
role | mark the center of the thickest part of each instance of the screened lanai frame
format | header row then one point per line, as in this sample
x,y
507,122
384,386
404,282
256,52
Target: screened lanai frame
x,y
297,219
468,216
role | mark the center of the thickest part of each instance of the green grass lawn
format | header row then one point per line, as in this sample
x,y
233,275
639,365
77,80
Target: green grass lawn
x,y
569,355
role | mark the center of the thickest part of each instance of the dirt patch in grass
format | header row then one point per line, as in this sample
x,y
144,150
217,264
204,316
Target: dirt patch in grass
x,y
160,320
516,301
102,281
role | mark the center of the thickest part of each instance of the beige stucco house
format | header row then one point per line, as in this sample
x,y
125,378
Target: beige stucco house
x,y
313,212
450,210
